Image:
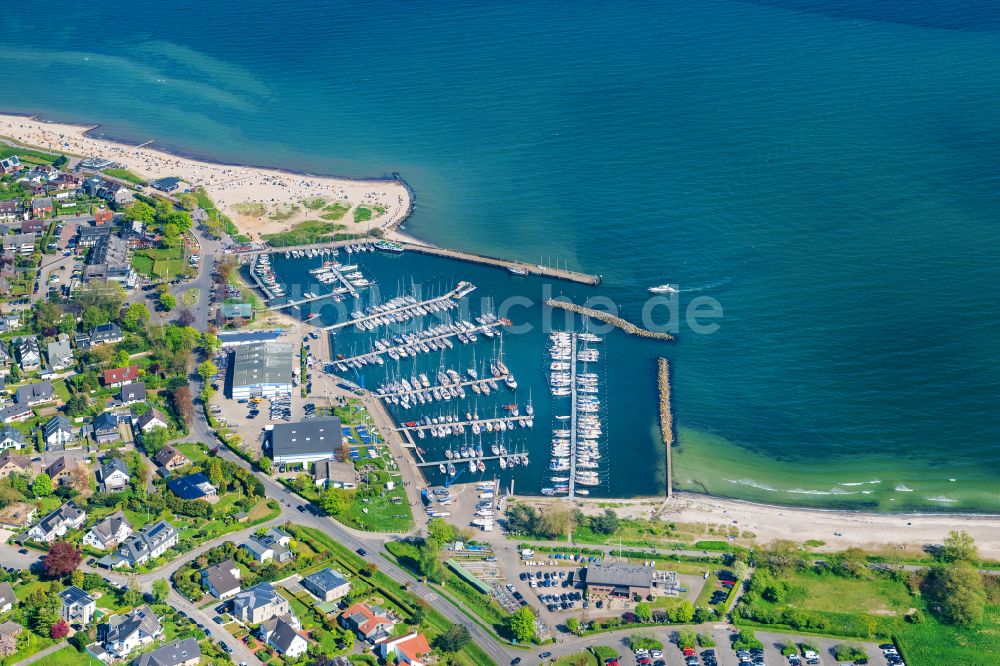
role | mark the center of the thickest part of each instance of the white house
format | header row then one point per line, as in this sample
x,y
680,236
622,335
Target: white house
x,y
410,649
282,633
124,633
56,524
109,532
222,579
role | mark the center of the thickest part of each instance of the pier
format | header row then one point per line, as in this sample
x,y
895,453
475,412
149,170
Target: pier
x,y
666,417
458,461
260,284
404,309
301,301
428,426
617,322
409,345
573,435
344,281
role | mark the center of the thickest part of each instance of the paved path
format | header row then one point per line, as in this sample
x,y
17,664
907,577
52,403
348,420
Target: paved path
x,y
42,653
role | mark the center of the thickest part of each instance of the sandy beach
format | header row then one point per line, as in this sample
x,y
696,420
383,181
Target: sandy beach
x,y
873,531
228,186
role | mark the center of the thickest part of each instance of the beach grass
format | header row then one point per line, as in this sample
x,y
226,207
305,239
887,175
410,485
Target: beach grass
x,y
308,232
314,204
335,211
284,213
251,209
125,174
362,214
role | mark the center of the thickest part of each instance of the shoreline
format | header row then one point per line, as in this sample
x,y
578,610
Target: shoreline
x,y
771,522
391,225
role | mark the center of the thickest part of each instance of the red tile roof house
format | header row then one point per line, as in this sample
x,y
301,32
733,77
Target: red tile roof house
x,y
121,376
410,649
368,623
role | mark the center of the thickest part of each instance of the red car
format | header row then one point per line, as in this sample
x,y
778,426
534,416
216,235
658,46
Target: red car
x,y
688,652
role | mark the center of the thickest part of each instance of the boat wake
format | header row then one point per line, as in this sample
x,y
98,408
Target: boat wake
x,y
941,498
903,489
710,285
752,484
861,483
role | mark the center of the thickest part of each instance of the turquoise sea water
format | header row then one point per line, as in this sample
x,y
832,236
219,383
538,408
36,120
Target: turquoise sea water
x,y
827,171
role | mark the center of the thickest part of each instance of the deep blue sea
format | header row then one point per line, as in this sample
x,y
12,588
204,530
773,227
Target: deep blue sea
x,y
828,171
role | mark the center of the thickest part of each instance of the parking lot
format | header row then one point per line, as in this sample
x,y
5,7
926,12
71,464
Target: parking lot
x,y
722,654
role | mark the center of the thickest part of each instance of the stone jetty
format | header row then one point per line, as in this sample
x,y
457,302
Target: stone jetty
x,y
607,318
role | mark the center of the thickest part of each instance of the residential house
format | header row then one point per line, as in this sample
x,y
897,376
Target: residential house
x,y
106,334
11,438
194,487
57,433
114,475
34,394
102,216
369,623
10,629
282,634
10,164
184,652
41,207
410,649
147,544
109,532
327,584
132,393
222,580
332,473
105,428
91,236
111,260
5,357
33,226
168,184
118,377
57,523
60,353
151,419
77,607
60,471
7,598
272,545
28,353
122,634
12,210
19,243
170,458
259,604
14,413
14,463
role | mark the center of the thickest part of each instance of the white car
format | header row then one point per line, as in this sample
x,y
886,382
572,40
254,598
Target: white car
x,y
656,654
809,654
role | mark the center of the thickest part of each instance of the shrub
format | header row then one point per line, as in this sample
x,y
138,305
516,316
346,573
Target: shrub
x,y
845,652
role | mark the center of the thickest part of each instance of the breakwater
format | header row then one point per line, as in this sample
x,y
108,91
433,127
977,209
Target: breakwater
x,y
666,417
608,318
532,269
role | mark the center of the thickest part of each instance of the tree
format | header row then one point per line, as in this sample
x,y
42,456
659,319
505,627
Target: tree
x,y
740,570
956,593
427,559
161,589
61,560
453,639
132,595
211,343
552,523
76,578
171,235
606,523
215,473
77,405
59,630
686,638
42,486
207,370
168,302
573,625
183,404
644,611
135,317
682,613
264,464
120,359
958,547
335,501
521,625
139,211
441,530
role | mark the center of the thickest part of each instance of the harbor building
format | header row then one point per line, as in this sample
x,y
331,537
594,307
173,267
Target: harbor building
x,y
261,369
307,442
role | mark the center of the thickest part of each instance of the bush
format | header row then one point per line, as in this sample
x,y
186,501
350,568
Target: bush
x,y
844,652
644,642
706,640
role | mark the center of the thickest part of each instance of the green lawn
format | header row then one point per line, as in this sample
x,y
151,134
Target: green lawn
x,y
335,211
308,232
192,451
29,646
383,515
68,656
844,595
164,262
578,659
59,388
190,297
125,174
362,214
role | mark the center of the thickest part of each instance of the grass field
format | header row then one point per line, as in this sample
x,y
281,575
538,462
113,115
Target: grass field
x,y
335,211
362,214
383,515
844,595
190,297
125,174
308,232
159,262
578,659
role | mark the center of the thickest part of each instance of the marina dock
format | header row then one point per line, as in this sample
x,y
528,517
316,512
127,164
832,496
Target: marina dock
x,y
408,346
435,463
301,301
573,435
260,285
428,426
463,384
457,292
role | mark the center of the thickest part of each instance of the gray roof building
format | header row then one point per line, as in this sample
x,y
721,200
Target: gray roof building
x,y
33,394
263,369
176,653
306,442
326,584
